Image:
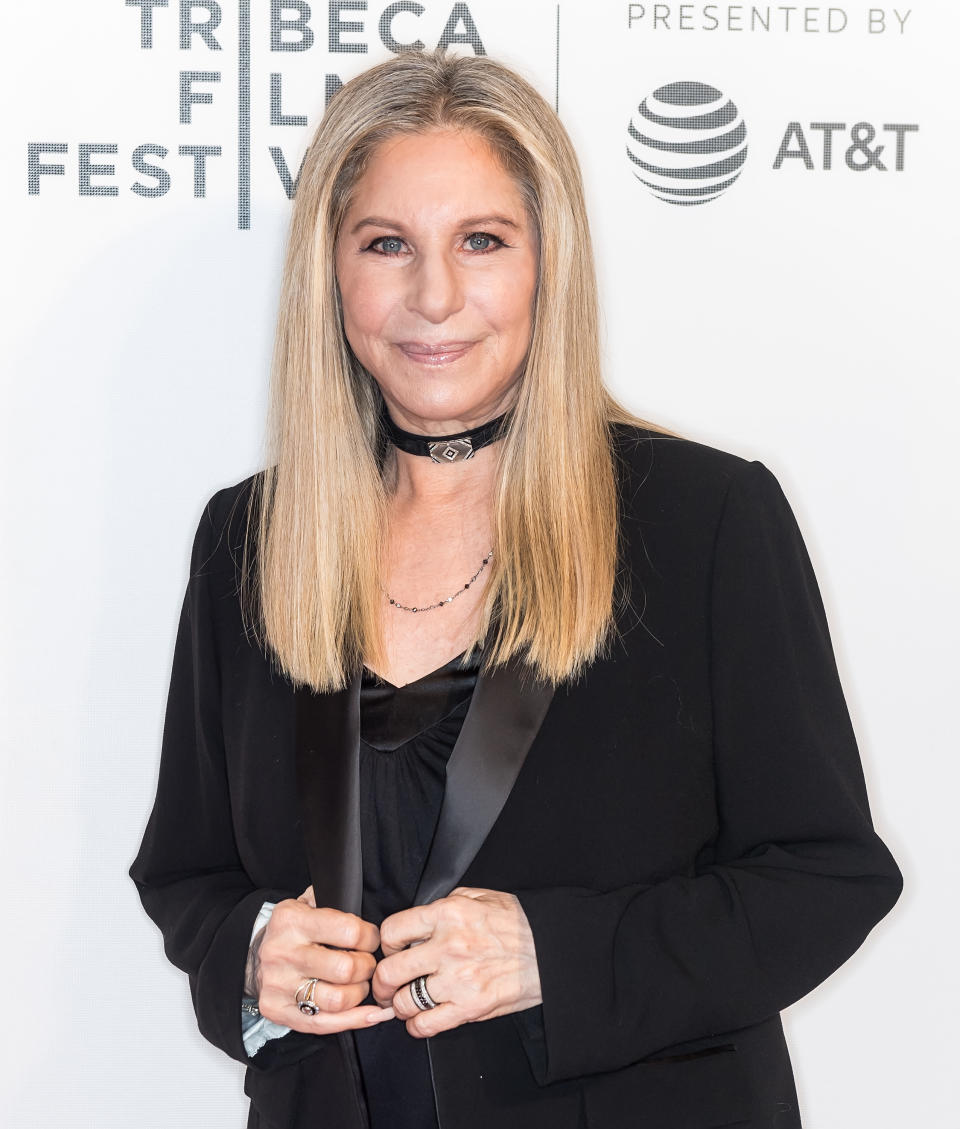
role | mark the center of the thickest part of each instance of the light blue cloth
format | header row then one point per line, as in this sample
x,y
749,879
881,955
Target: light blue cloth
x,y
257,1029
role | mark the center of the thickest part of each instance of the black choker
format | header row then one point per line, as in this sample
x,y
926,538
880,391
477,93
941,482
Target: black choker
x,y
445,448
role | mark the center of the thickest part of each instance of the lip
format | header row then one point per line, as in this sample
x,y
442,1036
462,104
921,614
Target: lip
x,y
434,353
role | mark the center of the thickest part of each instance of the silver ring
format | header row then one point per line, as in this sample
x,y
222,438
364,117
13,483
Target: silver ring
x,y
305,996
419,994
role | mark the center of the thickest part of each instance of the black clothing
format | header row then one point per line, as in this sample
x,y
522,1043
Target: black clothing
x,y
686,825
406,736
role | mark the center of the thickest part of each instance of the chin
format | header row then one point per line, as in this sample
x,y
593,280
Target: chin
x,y
440,408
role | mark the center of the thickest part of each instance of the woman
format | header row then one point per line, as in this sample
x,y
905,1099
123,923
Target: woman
x,y
570,876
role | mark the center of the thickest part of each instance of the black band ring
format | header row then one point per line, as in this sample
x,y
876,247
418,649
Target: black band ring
x,y
419,994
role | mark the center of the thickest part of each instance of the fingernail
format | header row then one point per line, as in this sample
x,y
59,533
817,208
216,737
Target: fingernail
x,y
387,1013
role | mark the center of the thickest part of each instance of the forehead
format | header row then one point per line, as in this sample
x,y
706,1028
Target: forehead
x,y
436,175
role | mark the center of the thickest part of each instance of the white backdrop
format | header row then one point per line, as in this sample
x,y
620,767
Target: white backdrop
x,y
805,317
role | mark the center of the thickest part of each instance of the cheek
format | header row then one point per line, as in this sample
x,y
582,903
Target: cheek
x,y
366,304
509,301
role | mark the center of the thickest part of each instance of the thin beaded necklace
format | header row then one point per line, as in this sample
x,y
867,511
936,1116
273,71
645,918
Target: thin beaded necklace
x,y
449,599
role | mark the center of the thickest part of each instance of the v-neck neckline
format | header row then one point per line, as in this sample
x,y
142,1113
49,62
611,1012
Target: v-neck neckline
x,y
416,681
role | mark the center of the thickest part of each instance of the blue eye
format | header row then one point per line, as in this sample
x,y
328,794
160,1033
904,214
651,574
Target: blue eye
x,y
480,241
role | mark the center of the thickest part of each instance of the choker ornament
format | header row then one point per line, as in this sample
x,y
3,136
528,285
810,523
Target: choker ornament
x,y
445,448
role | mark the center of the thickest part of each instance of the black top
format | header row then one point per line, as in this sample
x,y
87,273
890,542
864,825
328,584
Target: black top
x,y
407,734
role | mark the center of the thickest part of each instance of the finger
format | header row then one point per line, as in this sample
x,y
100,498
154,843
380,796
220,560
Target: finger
x,y
400,968
294,919
407,927
341,930
336,966
404,1004
328,1023
444,1017
279,1004
307,896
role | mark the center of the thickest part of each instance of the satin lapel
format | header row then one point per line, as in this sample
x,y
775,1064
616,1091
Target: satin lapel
x,y
327,737
505,714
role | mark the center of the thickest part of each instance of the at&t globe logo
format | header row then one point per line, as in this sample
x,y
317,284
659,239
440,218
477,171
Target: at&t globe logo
x,y
687,143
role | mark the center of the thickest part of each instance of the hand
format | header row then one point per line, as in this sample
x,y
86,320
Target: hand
x,y
300,942
476,949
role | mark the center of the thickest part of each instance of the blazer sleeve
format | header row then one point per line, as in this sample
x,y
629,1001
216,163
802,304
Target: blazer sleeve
x,y
188,872
798,876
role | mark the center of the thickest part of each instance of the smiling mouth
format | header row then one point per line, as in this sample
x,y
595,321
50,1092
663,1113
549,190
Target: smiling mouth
x,y
440,354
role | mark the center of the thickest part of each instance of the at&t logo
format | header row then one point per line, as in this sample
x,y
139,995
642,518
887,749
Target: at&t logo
x,y
687,143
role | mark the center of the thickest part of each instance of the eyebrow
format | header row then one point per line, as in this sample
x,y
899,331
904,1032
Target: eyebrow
x,y
471,221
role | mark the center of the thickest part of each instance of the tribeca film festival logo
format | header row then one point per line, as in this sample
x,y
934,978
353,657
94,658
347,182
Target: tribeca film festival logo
x,y
687,143
194,26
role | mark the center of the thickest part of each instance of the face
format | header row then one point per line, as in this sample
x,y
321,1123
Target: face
x,y
437,266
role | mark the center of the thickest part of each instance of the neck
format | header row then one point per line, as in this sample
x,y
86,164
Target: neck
x,y
469,483
429,477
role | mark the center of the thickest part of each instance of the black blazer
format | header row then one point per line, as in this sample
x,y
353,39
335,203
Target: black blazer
x,y
686,826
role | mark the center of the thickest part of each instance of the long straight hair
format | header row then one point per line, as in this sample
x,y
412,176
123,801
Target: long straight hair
x,y
310,584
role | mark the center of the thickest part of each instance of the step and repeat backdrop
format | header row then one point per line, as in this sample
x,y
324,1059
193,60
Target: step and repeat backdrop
x,y
786,291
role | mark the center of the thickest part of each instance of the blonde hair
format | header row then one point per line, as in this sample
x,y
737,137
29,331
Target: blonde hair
x,y
310,585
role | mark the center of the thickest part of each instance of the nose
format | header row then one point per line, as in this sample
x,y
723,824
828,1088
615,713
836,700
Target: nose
x,y
436,289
